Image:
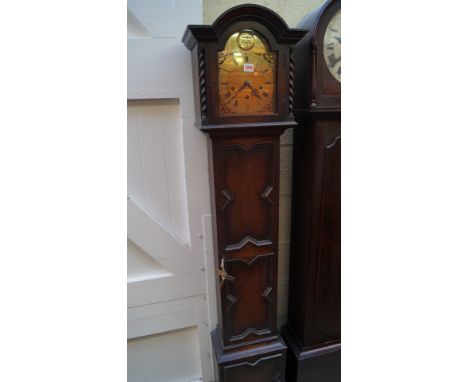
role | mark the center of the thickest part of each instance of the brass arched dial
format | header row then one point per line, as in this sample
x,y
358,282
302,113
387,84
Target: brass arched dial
x,y
332,46
246,75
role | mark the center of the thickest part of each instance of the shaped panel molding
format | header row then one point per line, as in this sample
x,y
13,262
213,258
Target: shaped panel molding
x,y
253,290
248,194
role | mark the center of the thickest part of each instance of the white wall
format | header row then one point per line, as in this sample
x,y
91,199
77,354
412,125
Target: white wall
x,y
170,261
155,163
152,358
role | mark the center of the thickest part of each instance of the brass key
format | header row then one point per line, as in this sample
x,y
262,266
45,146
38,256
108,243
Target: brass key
x,y
223,274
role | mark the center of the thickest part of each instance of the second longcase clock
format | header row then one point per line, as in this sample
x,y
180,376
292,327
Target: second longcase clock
x,y
243,77
313,332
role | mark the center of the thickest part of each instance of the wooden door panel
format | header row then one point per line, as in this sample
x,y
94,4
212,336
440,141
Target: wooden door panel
x,y
248,191
251,291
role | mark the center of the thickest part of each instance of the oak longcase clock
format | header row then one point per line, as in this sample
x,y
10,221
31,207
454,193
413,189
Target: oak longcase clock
x,y
243,79
313,332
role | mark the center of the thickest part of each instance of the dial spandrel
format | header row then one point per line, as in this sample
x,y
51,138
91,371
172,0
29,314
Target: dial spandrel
x,y
246,76
332,46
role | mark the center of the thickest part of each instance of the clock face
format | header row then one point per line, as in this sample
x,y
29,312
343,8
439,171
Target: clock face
x,y
332,46
246,76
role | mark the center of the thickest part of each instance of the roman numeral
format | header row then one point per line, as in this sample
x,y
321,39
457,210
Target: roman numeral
x,y
332,60
339,71
330,45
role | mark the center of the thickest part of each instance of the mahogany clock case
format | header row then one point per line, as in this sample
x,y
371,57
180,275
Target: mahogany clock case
x,y
313,330
244,180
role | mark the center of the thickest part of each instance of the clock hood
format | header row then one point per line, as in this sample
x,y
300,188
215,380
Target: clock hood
x,y
244,12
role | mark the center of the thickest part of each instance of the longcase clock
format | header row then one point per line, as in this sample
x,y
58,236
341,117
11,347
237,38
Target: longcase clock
x,y
313,333
243,80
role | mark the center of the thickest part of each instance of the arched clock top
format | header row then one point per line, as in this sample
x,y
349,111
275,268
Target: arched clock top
x,y
245,12
313,20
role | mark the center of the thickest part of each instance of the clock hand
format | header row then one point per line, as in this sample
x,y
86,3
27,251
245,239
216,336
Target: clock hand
x,y
255,93
246,84
237,92
333,60
337,39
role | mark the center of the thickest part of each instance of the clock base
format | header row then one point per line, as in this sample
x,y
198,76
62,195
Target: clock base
x,y
259,362
321,363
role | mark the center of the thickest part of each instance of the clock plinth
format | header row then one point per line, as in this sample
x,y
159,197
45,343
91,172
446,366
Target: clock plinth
x,y
263,361
241,70
320,363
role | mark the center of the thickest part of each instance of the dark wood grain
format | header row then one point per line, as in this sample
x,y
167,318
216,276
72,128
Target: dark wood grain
x,y
314,297
245,176
244,181
313,329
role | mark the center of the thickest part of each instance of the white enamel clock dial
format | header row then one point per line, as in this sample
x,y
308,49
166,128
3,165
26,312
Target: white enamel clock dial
x,y
332,46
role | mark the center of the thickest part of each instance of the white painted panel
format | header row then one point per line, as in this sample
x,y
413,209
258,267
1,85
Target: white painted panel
x,y
186,277
134,27
169,357
139,263
153,161
171,315
159,243
135,182
159,68
169,18
156,173
172,129
163,316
